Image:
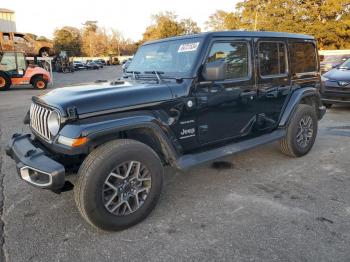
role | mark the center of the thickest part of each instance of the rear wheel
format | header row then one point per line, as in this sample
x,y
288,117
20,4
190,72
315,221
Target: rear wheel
x,y
5,81
301,132
39,83
118,184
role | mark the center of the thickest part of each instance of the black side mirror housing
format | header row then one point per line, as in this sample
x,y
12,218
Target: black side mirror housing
x,y
214,71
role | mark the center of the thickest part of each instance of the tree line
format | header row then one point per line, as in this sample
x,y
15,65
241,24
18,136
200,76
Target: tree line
x,y
327,20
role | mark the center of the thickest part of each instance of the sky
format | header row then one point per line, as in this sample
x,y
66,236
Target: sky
x,y
130,17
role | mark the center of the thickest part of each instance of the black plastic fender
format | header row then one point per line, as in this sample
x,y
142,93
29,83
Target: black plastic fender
x,y
97,131
296,98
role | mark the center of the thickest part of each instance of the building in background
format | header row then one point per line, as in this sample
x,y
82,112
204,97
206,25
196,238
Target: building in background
x,y
7,20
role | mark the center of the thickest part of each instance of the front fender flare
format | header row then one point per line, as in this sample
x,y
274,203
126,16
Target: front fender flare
x,y
96,131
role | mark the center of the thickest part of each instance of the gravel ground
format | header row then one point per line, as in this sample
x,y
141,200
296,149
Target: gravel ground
x,y
264,207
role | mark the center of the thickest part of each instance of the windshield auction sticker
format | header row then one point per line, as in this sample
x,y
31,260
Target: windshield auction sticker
x,y
190,47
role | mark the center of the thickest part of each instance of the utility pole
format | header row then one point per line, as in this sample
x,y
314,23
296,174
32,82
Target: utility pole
x,y
256,15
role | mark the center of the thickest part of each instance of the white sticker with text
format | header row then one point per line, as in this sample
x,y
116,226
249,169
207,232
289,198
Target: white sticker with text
x,y
190,47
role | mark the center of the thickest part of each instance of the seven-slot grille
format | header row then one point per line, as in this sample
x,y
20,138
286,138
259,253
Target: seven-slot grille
x,y
38,120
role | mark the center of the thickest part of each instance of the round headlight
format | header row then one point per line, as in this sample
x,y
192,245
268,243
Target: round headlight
x,y
53,123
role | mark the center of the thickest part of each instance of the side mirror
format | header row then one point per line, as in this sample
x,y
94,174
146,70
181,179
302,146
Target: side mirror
x,y
214,71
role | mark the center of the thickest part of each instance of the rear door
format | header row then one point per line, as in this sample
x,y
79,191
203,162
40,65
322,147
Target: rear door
x,y
273,80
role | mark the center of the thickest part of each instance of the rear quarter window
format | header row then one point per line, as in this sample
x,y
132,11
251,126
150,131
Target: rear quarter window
x,y
303,57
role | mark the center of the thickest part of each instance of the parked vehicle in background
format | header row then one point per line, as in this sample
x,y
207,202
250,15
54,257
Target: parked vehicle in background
x,y
332,58
25,43
14,70
92,65
336,85
78,65
126,64
98,62
101,61
182,102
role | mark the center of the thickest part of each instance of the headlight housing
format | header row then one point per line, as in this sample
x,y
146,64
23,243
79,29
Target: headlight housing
x,y
53,123
324,79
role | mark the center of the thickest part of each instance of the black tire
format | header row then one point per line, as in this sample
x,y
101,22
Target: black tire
x,y
39,83
5,81
96,169
328,105
296,130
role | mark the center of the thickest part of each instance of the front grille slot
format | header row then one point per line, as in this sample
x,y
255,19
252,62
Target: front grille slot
x,y
38,120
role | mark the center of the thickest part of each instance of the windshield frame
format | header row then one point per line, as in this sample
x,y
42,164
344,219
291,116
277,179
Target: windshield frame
x,y
189,74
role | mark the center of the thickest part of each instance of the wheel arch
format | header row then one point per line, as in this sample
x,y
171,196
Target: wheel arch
x,y
151,133
33,77
309,96
6,75
44,49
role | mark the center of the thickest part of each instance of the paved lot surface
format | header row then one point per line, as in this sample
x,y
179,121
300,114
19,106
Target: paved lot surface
x,y
266,207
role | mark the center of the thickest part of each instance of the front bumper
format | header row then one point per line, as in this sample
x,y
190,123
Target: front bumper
x,y
34,165
333,94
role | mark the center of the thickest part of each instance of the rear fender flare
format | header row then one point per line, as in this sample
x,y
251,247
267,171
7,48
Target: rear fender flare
x,y
296,99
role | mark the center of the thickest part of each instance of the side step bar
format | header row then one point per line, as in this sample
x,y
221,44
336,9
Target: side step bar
x,y
191,160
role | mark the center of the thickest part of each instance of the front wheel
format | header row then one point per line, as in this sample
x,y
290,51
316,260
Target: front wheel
x,y
301,132
118,184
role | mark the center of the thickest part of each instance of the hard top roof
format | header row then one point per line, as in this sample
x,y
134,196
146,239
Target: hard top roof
x,y
240,34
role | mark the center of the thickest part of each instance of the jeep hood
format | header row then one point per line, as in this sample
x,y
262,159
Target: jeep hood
x,y
107,96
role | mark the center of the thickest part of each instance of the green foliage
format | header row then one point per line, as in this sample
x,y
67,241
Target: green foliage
x,y
327,20
167,25
68,39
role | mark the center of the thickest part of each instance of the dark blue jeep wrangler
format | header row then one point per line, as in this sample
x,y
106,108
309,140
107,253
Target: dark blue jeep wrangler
x,y
183,101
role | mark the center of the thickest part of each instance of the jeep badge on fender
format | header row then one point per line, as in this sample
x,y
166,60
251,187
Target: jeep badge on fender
x,y
182,101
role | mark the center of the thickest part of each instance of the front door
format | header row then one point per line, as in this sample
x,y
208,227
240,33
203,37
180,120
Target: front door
x,y
226,109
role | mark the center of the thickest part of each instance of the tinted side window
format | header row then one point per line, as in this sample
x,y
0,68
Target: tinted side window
x,y
303,57
272,58
235,55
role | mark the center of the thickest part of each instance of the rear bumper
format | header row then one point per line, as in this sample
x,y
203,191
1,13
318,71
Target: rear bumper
x,y
33,165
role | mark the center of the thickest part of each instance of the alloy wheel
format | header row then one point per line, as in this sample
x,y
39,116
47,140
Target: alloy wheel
x,y
305,131
126,188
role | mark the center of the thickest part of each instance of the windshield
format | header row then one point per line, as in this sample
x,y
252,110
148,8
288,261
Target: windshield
x,y
173,57
345,65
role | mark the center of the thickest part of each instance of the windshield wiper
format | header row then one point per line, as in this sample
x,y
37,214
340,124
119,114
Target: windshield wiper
x,y
134,73
157,73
